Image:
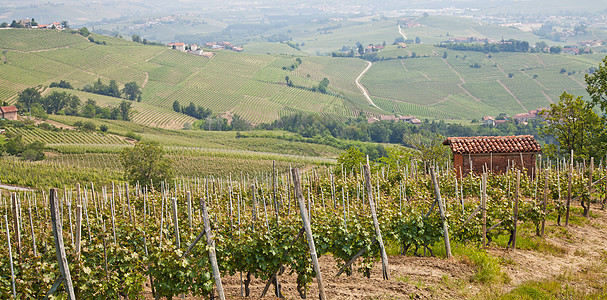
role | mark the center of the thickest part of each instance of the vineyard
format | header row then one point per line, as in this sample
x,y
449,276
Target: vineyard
x,y
184,237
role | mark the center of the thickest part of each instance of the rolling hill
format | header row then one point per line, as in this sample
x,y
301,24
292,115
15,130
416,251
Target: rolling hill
x,y
436,84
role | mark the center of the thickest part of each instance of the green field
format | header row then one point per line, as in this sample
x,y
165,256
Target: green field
x,y
451,87
436,84
250,85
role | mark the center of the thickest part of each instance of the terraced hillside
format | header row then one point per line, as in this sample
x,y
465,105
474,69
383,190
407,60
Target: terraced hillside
x,y
252,86
437,84
468,85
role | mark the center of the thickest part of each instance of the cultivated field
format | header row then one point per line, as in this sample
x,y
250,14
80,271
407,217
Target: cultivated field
x,y
378,235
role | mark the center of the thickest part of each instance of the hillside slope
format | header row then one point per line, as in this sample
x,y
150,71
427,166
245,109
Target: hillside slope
x,y
252,86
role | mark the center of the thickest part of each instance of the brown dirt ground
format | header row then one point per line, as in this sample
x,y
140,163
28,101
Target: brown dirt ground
x,y
437,278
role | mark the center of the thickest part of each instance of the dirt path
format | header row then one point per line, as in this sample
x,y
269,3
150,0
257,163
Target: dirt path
x,y
362,87
41,50
498,66
400,31
548,97
14,188
512,94
461,78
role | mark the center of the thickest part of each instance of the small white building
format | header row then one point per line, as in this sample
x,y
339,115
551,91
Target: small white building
x,y
179,46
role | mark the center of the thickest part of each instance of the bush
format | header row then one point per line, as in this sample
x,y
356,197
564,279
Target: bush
x,y
90,126
133,135
146,162
103,128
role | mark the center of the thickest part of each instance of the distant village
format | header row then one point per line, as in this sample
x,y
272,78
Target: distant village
x,y
407,119
27,23
195,49
522,118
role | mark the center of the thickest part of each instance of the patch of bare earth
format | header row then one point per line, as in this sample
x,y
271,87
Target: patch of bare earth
x,y
438,278
582,246
411,277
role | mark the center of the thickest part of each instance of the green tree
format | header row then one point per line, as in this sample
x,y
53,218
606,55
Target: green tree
x,y
125,108
28,97
34,151
113,89
84,31
540,46
352,159
555,49
135,38
176,106
132,91
90,108
14,145
397,156
56,101
145,162
575,126
65,24
361,50
430,149
597,85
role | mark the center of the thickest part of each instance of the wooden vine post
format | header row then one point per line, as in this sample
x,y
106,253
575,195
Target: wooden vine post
x,y
176,222
10,256
516,199
484,207
308,230
78,230
384,256
441,209
59,247
212,255
569,191
16,223
545,202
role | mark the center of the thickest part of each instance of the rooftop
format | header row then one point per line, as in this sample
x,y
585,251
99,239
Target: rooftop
x,y
493,144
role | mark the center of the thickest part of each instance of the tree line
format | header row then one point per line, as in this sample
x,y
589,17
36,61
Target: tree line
x,y
60,102
510,45
130,91
192,110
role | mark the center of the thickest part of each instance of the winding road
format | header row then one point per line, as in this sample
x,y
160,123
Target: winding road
x,y
400,30
362,87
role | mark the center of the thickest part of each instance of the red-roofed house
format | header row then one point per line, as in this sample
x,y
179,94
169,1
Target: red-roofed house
x,y
8,112
493,153
179,46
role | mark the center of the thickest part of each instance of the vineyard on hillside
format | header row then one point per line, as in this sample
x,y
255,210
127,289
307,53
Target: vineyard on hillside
x,y
119,238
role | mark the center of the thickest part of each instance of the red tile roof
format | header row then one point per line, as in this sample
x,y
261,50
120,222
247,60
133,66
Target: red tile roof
x,y
9,109
493,144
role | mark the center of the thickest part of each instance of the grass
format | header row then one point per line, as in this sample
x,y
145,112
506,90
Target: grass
x,y
487,268
588,283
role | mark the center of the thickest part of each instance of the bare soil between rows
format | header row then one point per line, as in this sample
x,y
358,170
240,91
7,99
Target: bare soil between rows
x,y
440,278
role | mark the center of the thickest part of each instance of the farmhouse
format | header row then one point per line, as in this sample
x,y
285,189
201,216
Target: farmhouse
x,y
8,112
493,153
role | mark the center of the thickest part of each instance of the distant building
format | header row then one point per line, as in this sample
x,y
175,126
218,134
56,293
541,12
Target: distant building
x,y
8,112
530,115
488,121
409,119
493,153
179,47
